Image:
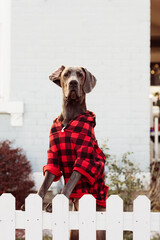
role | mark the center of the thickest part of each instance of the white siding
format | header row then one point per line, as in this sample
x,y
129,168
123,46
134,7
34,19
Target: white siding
x,y
108,37
5,49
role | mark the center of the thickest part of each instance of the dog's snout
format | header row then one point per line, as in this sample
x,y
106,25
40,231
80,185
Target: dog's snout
x,y
73,83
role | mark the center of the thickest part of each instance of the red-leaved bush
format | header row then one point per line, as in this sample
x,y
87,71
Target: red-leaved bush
x,y
15,172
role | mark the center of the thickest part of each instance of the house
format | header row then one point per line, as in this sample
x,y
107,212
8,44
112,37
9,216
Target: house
x,y
111,38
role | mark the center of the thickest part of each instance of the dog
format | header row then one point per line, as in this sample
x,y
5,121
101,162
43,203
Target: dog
x,y
74,151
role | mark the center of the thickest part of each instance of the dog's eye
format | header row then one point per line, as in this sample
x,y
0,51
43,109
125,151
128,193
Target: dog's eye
x,y
79,74
67,74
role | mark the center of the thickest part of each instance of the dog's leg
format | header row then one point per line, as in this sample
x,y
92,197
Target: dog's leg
x,y
48,179
67,190
70,185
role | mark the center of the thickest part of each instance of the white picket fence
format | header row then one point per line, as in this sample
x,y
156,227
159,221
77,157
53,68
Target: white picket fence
x,y
141,221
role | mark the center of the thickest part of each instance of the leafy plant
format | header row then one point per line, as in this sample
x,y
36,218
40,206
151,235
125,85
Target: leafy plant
x,y
156,237
122,176
15,172
127,235
47,238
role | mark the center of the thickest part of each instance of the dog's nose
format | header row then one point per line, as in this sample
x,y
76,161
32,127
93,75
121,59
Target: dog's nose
x,y
73,83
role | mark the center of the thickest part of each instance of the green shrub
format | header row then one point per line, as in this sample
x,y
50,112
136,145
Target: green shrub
x,y
47,238
121,175
122,180
127,235
156,237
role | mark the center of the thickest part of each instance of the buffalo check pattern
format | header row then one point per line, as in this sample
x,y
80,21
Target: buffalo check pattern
x,y
75,148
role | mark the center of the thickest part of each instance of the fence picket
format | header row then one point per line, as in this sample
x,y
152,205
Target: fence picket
x,y
114,221
7,216
60,216
87,218
33,217
141,222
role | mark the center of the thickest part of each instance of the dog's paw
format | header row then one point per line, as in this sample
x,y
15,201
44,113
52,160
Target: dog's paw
x,y
48,208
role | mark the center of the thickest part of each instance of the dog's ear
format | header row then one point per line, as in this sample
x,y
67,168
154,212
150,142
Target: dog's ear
x,y
55,76
90,81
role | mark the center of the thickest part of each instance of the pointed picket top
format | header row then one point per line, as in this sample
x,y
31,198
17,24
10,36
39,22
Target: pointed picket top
x,y
141,204
32,200
87,218
113,198
142,198
8,200
141,222
60,198
33,197
87,203
60,217
114,221
88,198
33,209
115,204
7,216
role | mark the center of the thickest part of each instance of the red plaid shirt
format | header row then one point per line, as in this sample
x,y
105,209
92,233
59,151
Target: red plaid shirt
x,y
75,148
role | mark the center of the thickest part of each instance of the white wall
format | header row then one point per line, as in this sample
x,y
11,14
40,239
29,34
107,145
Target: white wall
x,y
108,37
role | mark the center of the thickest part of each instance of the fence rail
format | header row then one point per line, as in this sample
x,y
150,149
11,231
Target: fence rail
x,y
141,221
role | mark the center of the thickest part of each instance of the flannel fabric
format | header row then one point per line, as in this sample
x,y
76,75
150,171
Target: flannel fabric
x,y
75,148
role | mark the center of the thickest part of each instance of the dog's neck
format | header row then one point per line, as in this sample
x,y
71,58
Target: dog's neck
x,y
71,109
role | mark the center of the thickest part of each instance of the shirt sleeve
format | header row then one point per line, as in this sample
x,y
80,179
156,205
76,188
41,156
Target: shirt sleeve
x,y
89,163
53,163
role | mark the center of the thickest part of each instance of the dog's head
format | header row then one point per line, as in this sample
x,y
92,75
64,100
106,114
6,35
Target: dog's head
x,y
75,81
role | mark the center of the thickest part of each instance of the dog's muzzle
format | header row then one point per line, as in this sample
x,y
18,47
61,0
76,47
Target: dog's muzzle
x,y
73,85
73,90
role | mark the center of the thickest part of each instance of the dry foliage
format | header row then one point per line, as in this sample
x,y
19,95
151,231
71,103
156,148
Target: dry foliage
x,y
15,172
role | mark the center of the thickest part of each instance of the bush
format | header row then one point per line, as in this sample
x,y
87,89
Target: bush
x,y
15,172
47,238
121,175
156,237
